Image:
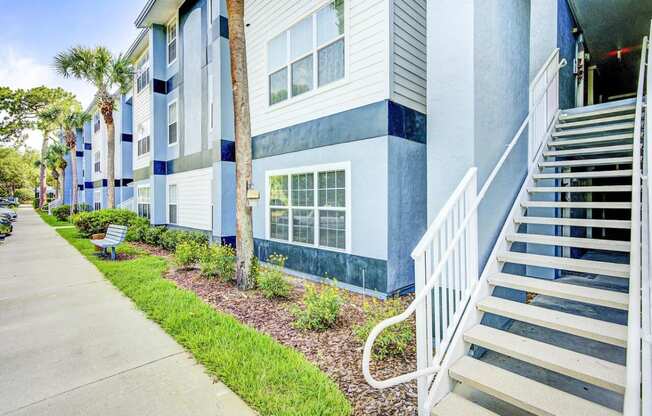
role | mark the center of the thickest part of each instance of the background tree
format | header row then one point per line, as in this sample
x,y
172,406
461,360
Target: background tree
x,y
244,229
74,118
17,171
106,73
56,162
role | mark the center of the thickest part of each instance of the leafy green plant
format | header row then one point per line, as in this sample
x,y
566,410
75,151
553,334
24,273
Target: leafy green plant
x,y
153,235
171,238
393,341
137,229
188,253
218,261
271,280
96,222
62,212
320,308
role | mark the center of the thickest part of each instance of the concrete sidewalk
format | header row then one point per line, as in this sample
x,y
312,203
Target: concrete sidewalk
x,y
72,344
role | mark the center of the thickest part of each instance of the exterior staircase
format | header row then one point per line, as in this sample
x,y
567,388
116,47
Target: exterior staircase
x,y
516,367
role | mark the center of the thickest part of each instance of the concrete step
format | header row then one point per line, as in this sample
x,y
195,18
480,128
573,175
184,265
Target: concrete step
x,y
566,263
456,405
576,205
598,120
529,395
593,130
591,140
575,222
588,243
597,113
584,175
602,331
587,162
560,360
579,189
608,298
589,151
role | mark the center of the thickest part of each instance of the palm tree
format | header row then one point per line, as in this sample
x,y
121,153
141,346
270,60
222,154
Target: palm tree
x,y
244,229
56,162
71,121
106,73
46,124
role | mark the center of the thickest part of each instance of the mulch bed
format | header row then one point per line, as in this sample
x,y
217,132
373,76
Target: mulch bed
x,y
336,351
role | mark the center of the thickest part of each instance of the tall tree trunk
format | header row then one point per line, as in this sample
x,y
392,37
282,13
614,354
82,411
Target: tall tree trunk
x,y
62,185
244,229
107,113
73,168
42,197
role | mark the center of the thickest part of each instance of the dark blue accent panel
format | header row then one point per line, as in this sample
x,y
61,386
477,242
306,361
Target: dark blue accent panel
x,y
566,43
172,83
126,182
80,187
228,240
79,153
105,183
160,86
159,167
88,146
88,185
373,120
224,27
406,123
343,267
126,137
227,151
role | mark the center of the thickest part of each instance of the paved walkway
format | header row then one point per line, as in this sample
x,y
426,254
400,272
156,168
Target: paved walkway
x,y
72,344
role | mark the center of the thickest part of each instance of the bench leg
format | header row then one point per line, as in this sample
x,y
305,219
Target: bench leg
x,y
112,253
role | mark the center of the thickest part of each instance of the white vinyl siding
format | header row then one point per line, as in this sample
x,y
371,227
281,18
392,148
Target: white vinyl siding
x,y
366,27
409,57
193,198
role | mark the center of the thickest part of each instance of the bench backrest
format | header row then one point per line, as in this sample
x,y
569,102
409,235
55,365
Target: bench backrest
x,y
115,233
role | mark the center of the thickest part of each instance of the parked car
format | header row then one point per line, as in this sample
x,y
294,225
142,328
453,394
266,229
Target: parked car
x,y
6,228
9,213
9,202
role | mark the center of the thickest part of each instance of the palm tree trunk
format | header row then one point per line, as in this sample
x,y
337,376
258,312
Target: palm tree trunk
x,y
73,167
244,229
62,185
107,113
42,197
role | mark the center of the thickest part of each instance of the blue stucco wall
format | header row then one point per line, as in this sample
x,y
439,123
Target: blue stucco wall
x,y
566,44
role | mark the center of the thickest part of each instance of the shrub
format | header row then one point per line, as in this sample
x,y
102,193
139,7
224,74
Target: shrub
x,y
137,229
320,308
24,195
83,207
188,253
271,280
393,341
218,261
35,203
62,213
96,222
153,235
171,238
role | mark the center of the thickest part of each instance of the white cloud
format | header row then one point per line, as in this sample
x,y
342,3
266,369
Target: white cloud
x,y
19,70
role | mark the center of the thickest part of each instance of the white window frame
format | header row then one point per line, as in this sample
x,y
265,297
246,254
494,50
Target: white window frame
x,y
97,199
173,102
211,117
209,15
174,22
97,162
176,203
140,69
315,169
316,89
138,200
146,126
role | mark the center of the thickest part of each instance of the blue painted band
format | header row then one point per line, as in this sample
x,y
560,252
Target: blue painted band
x,y
159,86
172,83
80,187
382,118
126,182
79,153
228,240
227,151
224,27
88,185
159,167
88,146
126,137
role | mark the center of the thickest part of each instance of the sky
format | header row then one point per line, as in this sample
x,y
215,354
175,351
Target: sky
x,y
32,32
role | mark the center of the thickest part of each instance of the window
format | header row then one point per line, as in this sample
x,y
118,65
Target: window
x,y
173,129
210,102
309,207
143,139
142,73
172,204
97,165
308,55
97,200
96,122
172,42
143,202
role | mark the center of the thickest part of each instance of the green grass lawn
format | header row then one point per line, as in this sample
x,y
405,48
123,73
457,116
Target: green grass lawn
x,y
271,378
51,219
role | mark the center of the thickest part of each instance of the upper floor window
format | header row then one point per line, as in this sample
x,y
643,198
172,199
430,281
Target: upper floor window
x,y
143,139
172,42
308,55
96,122
142,73
173,129
97,162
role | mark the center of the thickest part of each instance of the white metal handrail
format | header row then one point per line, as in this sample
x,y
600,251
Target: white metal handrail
x,y
446,257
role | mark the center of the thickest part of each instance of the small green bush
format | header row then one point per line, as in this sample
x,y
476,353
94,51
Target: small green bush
x,y
393,341
188,253
171,238
320,308
218,261
153,235
96,222
35,203
271,280
137,229
62,213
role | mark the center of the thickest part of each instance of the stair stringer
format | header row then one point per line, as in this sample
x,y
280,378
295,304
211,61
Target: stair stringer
x,y
458,347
